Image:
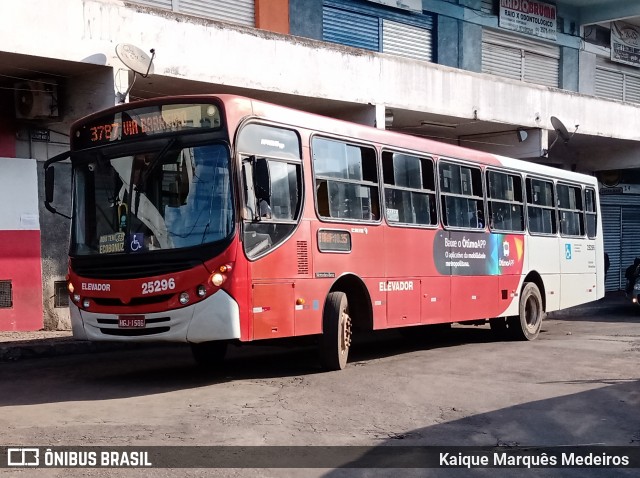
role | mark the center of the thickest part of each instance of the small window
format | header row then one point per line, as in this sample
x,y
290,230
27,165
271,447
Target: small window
x,y
346,180
570,210
409,189
541,211
591,214
461,195
61,295
506,205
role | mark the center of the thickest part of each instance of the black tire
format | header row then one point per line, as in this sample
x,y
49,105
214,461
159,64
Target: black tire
x,y
526,325
335,340
209,354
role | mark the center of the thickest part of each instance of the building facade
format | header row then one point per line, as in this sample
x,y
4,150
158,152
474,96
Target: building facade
x,y
486,74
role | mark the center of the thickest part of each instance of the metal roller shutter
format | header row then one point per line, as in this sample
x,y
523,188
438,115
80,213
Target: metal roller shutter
x,y
630,245
349,28
406,40
501,61
621,225
238,11
486,6
612,230
520,58
540,69
166,4
616,81
632,89
609,84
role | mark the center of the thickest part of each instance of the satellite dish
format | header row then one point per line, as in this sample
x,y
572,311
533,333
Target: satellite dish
x,y
137,61
561,130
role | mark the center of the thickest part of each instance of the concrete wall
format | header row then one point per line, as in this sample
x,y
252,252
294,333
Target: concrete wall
x,y
20,245
209,52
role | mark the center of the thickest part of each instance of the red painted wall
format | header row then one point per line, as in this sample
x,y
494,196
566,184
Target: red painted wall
x,y
7,140
272,15
20,262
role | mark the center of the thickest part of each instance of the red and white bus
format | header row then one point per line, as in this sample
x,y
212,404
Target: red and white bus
x,y
210,219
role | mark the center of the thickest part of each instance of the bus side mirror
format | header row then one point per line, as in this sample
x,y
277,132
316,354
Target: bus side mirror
x,y
49,179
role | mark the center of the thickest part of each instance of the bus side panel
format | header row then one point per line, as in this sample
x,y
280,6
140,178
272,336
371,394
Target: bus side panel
x,y
474,297
403,302
273,306
273,299
436,293
544,253
578,265
409,307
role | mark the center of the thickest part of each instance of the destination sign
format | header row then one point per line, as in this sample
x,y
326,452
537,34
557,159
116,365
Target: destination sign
x,y
331,240
136,123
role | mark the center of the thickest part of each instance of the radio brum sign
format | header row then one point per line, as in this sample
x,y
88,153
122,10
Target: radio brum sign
x,y
528,16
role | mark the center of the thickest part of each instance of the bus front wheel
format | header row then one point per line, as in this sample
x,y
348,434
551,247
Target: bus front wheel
x,y
335,340
209,354
526,325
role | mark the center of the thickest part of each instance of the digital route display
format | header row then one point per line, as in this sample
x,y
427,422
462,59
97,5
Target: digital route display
x,y
136,123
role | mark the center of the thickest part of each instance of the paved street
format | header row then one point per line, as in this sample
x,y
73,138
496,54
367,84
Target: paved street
x,y
577,384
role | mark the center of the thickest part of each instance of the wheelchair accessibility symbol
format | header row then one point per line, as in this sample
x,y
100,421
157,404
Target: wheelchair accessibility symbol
x,y
567,251
136,242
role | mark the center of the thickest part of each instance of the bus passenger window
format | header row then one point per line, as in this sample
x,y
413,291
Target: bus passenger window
x,y
346,180
541,211
461,196
506,202
570,209
409,189
591,215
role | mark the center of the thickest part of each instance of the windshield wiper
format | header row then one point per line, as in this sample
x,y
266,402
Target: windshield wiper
x,y
142,178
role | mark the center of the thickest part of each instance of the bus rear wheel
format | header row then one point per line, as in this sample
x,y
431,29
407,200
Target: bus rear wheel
x,y
335,340
526,325
209,354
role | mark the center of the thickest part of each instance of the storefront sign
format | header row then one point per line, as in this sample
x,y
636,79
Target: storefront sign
x,y
528,16
625,43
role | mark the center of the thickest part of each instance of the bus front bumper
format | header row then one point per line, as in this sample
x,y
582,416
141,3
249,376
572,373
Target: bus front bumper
x,y
214,318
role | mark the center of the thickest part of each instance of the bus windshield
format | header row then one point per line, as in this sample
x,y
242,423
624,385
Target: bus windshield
x,y
174,197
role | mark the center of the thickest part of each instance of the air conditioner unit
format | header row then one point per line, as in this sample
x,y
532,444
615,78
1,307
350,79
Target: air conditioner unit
x,y
36,99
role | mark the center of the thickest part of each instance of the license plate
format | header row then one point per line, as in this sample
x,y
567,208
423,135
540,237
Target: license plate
x,y
131,322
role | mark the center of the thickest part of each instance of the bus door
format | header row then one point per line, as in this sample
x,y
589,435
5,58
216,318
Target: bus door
x,y
272,196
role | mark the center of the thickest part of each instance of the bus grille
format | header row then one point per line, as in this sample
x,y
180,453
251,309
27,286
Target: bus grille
x,y
303,257
134,332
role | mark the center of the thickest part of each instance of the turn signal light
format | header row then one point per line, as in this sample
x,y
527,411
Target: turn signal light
x,y
70,287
